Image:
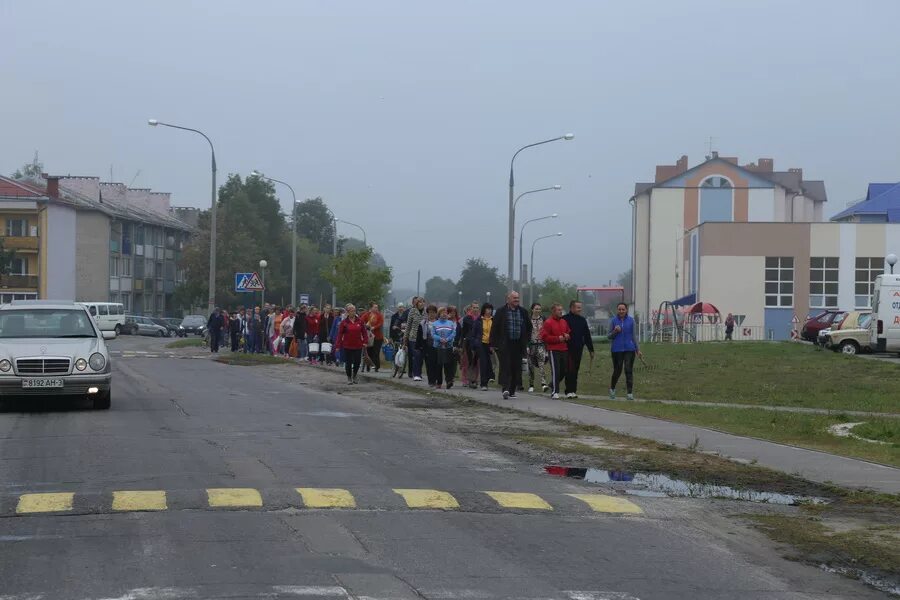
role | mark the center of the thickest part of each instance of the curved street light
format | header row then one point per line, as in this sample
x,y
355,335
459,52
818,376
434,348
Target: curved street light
x,y
512,208
357,226
211,298
256,173
531,285
556,188
521,239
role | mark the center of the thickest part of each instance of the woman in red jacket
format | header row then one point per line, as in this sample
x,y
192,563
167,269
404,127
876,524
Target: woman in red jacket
x,y
555,334
351,340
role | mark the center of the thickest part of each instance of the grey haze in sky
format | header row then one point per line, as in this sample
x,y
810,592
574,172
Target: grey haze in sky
x,y
404,115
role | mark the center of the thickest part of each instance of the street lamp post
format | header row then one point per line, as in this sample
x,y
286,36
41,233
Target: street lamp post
x,y
459,307
256,173
211,298
512,208
333,256
488,296
531,284
891,261
365,241
521,232
262,266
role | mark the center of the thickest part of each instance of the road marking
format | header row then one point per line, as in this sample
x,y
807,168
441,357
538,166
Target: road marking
x,y
327,498
139,500
428,499
41,503
234,497
311,590
608,504
519,500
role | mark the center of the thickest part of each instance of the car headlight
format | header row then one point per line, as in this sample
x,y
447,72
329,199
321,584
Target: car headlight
x,y
5,366
98,361
80,364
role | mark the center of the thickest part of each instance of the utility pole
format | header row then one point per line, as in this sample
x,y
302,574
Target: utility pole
x,y
418,280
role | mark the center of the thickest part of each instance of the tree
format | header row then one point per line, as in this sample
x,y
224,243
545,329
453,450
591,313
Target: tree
x,y
6,258
478,278
554,290
441,290
250,227
356,281
30,170
314,223
624,280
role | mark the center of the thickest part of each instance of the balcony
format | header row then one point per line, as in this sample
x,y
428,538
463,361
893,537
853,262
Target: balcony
x,y
19,282
21,243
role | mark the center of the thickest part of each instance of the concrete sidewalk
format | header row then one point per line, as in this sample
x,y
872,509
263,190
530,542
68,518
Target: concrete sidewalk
x,y
809,464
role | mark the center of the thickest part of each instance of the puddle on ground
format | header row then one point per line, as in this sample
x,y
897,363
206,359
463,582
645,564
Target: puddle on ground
x,y
658,486
328,413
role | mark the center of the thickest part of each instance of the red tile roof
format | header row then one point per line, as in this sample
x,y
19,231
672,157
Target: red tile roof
x,y
11,187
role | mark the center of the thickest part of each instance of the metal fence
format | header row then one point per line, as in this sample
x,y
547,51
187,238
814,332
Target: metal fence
x,y
701,332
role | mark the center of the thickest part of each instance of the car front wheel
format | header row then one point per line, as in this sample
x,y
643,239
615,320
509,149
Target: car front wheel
x,y
118,330
849,347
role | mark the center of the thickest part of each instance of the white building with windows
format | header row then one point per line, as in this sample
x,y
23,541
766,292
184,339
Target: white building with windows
x,y
751,241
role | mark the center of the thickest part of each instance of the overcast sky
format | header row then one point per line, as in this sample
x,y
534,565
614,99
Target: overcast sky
x,y
403,115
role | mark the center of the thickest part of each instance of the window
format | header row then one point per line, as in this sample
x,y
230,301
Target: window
x,y
126,267
18,266
715,200
867,268
159,303
16,227
126,302
6,298
823,282
779,282
103,310
113,266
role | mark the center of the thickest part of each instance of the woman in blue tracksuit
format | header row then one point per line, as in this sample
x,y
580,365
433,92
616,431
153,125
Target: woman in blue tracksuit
x,y
624,347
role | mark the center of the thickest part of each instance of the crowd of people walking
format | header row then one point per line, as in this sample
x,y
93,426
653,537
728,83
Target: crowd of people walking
x,y
479,344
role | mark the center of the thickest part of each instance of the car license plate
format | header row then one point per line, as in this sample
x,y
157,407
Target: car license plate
x,y
41,383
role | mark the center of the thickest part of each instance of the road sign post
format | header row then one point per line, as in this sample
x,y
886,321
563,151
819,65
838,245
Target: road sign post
x,y
248,282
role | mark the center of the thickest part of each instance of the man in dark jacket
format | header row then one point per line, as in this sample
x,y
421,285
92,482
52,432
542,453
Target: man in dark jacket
x,y
510,334
214,326
581,337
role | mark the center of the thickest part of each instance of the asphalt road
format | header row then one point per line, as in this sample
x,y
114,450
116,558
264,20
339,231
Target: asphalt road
x,y
220,452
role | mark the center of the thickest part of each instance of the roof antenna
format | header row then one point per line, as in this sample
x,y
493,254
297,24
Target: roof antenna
x,y
710,151
135,177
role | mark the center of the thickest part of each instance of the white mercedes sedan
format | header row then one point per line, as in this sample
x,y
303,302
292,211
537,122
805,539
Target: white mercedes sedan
x,y
53,348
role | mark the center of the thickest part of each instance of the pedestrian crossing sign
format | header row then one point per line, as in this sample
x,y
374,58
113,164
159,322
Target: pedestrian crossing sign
x,y
248,282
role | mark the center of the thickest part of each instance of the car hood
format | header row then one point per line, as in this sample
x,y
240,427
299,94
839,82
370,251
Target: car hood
x,y
72,347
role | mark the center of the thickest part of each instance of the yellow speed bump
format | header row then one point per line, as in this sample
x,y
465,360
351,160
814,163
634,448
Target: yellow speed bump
x,y
519,500
326,498
139,500
234,497
428,499
608,504
41,503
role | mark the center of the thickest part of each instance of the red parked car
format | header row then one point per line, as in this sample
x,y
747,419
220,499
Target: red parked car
x,y
823,320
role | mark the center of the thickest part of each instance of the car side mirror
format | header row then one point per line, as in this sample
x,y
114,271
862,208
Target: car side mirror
x,y
109,335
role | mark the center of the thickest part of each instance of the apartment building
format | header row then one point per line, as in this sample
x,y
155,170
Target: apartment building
x,y
82,239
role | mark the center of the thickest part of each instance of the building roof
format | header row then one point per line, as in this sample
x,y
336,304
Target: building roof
x,y
18,189
791,180
881,199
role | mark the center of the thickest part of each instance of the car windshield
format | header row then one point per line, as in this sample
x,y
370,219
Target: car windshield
x,y
864,321
45,323
193,321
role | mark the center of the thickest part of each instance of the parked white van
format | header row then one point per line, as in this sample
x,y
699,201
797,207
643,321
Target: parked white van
x,y
885,327
110,316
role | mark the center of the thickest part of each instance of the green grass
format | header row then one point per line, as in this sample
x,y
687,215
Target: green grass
x,y
187,343
246,360
869,547
798,429
762,373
